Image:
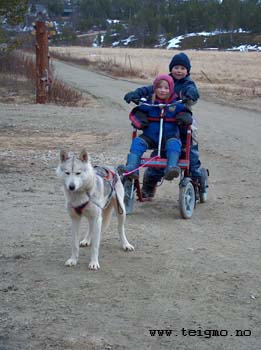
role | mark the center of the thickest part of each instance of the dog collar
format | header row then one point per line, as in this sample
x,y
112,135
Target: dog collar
x,y
80,208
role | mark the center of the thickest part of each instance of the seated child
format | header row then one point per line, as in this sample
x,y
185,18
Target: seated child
x,y
163,92
185,88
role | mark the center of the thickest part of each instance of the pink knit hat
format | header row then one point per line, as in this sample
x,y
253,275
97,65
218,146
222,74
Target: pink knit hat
x,y
165,77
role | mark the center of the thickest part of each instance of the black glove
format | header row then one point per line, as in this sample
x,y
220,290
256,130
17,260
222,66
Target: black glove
x,y
184,118
189,100
185,99
132,97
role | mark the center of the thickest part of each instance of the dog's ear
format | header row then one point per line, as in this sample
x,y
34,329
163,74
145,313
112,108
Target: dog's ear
x,y
63,156
84,156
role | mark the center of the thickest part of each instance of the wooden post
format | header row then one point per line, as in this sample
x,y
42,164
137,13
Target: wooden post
x,y
42,62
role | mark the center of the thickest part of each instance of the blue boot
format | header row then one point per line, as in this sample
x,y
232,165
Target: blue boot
x,y
172,170
133,161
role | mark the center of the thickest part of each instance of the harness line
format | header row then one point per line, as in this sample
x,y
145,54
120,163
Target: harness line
x,y
141,166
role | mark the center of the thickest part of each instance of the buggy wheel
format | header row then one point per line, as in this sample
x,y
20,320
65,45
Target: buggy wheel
x,y
186,200
129,194
203,187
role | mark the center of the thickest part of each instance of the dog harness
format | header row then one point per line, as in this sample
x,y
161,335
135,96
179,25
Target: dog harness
x,y
109,179
80,208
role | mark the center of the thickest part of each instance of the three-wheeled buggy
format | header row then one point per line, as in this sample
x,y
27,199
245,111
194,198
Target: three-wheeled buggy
x,y
190,191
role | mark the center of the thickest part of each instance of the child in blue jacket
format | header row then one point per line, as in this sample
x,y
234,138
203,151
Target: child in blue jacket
x,y
185,89
163,92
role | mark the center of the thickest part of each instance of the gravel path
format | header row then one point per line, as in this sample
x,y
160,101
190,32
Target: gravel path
x,y
189,276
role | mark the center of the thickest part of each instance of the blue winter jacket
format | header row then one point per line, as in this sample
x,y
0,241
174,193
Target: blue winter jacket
x,y
170,128
183,88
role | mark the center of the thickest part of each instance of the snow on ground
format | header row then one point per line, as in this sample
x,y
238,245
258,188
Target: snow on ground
x,y
175,42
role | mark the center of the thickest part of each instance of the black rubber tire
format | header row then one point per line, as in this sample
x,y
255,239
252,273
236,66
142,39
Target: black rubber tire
x,y
186,200
203,188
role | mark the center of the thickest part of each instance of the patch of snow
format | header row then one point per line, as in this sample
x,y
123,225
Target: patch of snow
x,y
124,42
162,41
115,43
175,42
112,21
245,48
129,40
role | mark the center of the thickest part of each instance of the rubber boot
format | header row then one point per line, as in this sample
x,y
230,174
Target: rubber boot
x,y
133,161
172,170
148,188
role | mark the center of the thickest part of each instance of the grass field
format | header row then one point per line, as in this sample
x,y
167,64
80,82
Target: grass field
x,y
234,77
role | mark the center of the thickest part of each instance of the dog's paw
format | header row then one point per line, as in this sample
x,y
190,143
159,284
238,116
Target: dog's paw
x,y
71,262
85,243
94,265
128,247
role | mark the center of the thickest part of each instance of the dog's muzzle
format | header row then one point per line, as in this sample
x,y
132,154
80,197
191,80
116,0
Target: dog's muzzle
x,y
72,187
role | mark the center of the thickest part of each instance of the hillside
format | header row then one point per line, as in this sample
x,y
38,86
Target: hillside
x,y
149,23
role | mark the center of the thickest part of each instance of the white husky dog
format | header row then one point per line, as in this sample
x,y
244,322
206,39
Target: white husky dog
x,y
91,192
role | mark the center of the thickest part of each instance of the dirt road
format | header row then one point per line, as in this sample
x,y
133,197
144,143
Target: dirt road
x,y
199,278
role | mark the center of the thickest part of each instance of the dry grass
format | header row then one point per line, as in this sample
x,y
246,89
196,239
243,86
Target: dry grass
x,y
17,77
109,65
233,77
62,94
16,89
